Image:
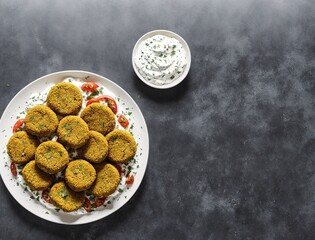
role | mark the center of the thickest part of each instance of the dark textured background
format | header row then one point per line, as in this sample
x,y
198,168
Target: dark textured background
x,y
232,148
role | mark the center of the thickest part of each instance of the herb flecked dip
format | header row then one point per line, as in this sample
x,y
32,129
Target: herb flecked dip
x,y
160,59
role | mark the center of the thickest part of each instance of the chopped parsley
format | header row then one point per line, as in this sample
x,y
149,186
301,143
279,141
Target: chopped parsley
x,y
66,126
113,139
41,126
93,94
63,193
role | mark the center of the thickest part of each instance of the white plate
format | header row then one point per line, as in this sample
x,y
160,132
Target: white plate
x,y
17,104
168,34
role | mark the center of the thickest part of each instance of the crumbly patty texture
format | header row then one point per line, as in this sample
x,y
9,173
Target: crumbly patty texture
x,y
107,180
21,147
96,149
121,146
73,131
63,197
65,99
99,118
51,157
80,175
41,121
35,178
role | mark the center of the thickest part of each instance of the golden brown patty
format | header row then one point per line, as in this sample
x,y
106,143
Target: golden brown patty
x,y
51,157
65,98
99,118
73,131
107,180
36,178
96,149
41,121
80,175
121,146
21,147
63,197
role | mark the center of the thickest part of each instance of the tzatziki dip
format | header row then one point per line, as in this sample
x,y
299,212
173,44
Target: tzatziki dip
x,y
160,59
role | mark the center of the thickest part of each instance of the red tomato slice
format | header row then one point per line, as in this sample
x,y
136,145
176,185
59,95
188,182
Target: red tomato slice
x,y
87,205
110,101
89,86
118,168
113,106
100,201
18,124
13,169
123,121
45,195
130,180
93,100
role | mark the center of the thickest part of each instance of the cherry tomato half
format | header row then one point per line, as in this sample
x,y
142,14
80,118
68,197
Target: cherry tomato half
x,y
118,168
123,121
110,101
45,195
130,180
89,86
13,169
87,205
100,201
18,124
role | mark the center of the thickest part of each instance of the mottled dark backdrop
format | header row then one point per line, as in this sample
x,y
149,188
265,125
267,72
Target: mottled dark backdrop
x,y
232,148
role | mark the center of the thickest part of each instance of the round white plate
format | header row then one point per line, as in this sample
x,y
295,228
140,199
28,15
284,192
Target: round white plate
x,y
17,104
168,34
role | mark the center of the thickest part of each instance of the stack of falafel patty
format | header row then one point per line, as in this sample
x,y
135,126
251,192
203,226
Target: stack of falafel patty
x,y
92,134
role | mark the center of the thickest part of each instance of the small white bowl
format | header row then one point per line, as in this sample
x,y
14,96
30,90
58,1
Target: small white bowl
x,y
168,34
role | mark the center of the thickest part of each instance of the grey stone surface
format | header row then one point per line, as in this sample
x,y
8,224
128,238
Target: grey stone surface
x,y
232,148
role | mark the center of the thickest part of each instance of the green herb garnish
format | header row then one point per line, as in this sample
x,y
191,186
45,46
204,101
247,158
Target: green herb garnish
x,y
93,94
41,126
63,193
66,126
113,139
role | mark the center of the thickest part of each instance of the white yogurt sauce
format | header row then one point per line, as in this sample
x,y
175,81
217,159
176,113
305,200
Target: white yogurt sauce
x,y
160,59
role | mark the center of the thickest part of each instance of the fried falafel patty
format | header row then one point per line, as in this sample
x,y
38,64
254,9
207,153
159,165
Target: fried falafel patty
x,y
96,149
73,131
21,147
65,99
63,197
41,121
99,118
35,178
80,175
107,180
51,157
121,146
